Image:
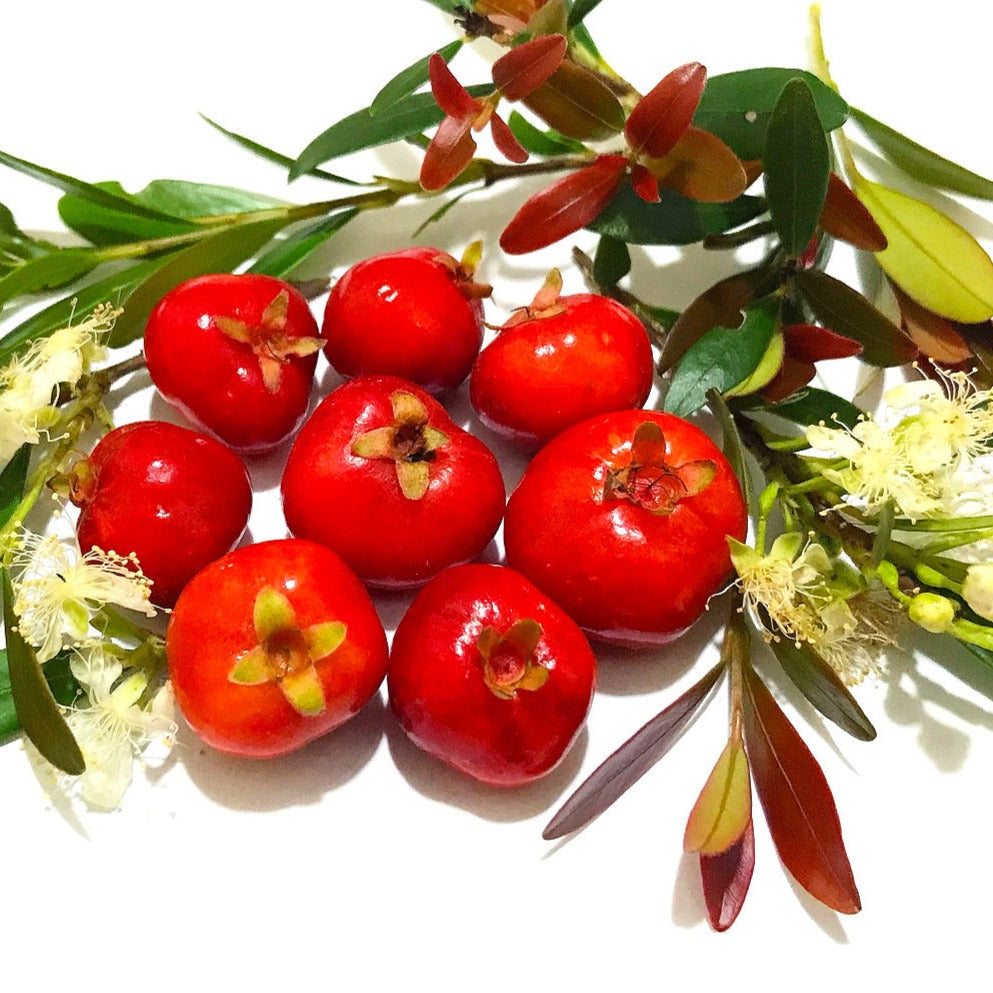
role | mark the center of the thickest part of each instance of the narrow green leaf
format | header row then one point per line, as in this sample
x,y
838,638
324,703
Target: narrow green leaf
x,y
732,445
58,268
539,142
675,220
438,214
797,166
286,255
811,406
581,35
580,9
60,681
722,358
37,709
12,480
921,163
448,6
220,252
8,226
410,79
612,261
737,106
103,225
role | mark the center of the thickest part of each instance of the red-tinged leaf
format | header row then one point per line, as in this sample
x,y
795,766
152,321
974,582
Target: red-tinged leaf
x,y
453,98
450,151
564,207
793,375
523,69
645,184
726,878
723,810
811,343
935,336
797,801
506,142
631,761
703,168
578,104
661,116
844,217
753,169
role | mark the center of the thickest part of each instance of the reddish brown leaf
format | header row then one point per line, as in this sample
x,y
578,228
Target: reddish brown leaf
x,y
661,117
578,104
645,184
753,169
702,167
523,69
935,336
449,94
520,10
844,217
726,878
505,140
793,375
811,343
564,207
450,151
797,801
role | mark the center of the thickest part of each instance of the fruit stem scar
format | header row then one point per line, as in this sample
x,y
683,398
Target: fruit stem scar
x,y
508,659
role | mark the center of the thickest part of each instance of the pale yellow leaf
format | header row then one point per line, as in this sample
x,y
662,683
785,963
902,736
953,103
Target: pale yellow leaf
x,y
723,810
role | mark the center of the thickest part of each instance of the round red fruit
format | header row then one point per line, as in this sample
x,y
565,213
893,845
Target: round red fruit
x,y
272,646
382,475
490,676
416,313
174,498
560,361
622,520
236,355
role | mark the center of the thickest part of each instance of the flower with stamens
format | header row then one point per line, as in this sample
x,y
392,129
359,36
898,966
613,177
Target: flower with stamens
x,y
977,590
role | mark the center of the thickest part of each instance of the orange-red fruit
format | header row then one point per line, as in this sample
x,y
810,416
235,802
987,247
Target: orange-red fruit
x,y
273,645
622,521
490,676
404,314
543,373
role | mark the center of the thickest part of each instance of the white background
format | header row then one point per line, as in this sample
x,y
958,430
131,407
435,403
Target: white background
x,y
359,863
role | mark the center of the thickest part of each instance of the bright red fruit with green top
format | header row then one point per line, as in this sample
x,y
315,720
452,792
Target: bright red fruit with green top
x,y
490,676
415,313
175,498
272,646
622,521
236,355
560,361
382,475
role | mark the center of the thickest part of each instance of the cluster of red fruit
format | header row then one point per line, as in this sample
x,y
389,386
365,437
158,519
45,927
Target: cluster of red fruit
x,y
617,528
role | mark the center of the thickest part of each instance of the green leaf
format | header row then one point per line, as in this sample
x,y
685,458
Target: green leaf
x,y
845,311
12,479
47,272
580,9
219,252
732,445
278,158
539,142
438,214
929,256
612,262
60,681
797,166
737,106
723,810
37,709
722,358
812,406
410,79
921,162
103,225
408,116
675,220
8,226
448,6
286,255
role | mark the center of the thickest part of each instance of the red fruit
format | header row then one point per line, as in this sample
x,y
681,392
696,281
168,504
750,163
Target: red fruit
x,y
415,313
236,355
559,362
382,475
622,521
490,676
175,498
272,646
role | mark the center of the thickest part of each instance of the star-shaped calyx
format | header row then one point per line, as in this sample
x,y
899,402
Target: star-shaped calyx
x,y
508,659
545,303
268,339
286,654
409,442
650,481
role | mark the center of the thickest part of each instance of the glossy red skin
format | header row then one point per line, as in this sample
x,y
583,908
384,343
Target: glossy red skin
x,y
625,575
355,505
403,314
174,497
436,684
216,382
211,627
544,374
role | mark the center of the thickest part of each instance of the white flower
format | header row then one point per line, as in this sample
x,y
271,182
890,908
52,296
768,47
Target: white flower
x,y
59,589
977,590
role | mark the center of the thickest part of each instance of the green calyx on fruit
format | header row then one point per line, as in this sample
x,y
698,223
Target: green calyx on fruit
x,y
508,659
649,481
409,442
464,270
545,303
272,346
286,653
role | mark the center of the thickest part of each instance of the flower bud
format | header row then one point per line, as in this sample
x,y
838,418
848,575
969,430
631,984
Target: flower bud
x,y
932,612
978,589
